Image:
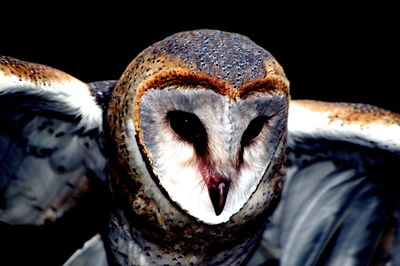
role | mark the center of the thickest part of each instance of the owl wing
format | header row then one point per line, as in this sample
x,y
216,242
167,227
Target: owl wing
x,y
340,202
52,161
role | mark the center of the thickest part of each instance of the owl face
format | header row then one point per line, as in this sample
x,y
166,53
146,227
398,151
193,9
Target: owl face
x,y
208,151
198,120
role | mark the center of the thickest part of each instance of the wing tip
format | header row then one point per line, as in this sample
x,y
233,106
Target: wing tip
x,y
351,113
364,124
18,76
19,71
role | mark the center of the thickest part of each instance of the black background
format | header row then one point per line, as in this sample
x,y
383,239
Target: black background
x,y
329,52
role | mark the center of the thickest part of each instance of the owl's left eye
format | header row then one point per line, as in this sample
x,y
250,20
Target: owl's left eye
x,y
188,127
254,129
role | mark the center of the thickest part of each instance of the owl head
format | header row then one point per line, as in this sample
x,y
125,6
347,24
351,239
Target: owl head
x,y
198,118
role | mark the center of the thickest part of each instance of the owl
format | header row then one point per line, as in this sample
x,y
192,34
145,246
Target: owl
x,y
197,155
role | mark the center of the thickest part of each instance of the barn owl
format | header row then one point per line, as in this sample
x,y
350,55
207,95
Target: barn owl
x,y
203,157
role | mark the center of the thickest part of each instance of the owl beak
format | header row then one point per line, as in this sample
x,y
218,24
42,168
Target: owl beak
x,y
218,192
217,185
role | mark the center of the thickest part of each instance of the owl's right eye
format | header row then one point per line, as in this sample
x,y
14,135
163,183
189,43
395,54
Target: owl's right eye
x,y
188,127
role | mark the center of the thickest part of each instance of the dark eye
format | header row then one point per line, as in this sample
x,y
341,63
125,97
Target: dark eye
x,y
253,129
188,127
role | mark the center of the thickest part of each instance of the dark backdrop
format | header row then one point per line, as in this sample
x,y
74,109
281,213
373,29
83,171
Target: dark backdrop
x,y
331,52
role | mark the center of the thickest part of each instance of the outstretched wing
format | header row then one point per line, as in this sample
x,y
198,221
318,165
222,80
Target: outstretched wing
x,y
52,160
340,200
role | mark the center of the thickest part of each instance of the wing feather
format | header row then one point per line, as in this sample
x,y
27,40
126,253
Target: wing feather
x,y
362,124
340,197
52,161
50,141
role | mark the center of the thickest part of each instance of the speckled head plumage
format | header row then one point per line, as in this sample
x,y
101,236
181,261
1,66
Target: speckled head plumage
x,y
229,61
226,62
199,120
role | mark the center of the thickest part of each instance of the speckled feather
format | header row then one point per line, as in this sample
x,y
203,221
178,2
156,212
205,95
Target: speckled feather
x,y
229,62
34,73
352,113
148,217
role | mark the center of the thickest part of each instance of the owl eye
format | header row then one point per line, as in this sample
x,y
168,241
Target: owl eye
x,y
188,127
253,129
